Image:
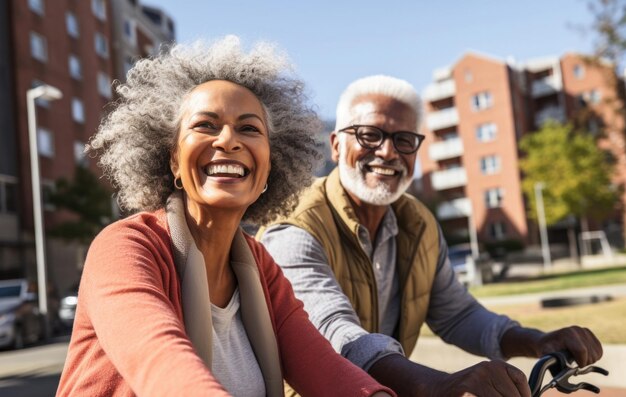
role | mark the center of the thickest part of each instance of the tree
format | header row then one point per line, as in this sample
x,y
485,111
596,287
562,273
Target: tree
x,y
609,27
88,200
609,50
576,174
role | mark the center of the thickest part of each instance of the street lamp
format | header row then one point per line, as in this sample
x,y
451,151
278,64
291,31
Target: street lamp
x,y
543,232
48,93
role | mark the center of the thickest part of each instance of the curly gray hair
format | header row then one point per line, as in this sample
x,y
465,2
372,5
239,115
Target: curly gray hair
x,y
136,139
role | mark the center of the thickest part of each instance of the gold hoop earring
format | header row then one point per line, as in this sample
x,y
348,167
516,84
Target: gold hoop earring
x,y
176,185
264,189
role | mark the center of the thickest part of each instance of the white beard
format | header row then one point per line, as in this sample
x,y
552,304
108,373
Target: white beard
x,y
353,180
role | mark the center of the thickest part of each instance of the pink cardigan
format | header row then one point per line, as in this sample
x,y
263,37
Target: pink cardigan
x,y
129,337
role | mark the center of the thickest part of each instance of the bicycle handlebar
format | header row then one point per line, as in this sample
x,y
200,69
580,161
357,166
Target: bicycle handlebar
x,y
561,367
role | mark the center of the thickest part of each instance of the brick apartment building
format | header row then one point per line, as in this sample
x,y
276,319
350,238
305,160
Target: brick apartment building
x,y
476,112
76,46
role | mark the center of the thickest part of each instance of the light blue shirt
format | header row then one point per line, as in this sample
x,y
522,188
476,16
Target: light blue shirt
x,y
453,313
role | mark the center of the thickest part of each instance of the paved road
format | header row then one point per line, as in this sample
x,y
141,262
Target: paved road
x,y
34,371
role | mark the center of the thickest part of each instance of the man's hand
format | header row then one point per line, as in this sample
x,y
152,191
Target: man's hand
x,y
580,342
486,379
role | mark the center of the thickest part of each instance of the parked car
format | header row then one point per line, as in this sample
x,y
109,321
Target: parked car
x,y
460,257
20,319
470,270
67,307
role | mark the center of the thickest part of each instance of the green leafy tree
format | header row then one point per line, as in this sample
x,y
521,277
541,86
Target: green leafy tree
x,y
576,174
85,197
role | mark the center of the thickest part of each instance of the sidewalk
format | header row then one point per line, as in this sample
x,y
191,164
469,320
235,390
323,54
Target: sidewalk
x,y
616,291
564,265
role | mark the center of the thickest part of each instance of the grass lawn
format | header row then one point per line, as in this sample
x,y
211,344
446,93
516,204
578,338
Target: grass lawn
x,y
553,282
607,320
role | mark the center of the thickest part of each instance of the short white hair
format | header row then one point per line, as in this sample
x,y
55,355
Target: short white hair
x,y
398,89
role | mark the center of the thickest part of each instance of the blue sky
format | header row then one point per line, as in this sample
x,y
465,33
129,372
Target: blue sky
x,y
335,42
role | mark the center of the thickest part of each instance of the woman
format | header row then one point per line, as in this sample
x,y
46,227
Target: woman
x,y
176,300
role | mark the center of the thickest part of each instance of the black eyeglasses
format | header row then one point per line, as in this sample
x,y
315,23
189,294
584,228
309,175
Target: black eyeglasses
x,y
372,138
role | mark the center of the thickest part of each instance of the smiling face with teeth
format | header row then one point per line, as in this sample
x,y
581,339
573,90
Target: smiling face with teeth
x,y
222,154
379,176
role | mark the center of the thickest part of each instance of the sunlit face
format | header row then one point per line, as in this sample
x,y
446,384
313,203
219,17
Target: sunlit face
x,y
375,176
223,153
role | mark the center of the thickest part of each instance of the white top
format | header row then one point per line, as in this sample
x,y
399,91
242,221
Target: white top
x,y
234,363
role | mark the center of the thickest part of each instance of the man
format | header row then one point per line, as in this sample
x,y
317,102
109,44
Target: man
x,y
370,263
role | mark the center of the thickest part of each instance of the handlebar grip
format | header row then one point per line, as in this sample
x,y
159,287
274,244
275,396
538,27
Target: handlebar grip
x,y
535,380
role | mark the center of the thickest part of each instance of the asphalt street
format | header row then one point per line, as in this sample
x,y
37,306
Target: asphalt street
x,y
33,371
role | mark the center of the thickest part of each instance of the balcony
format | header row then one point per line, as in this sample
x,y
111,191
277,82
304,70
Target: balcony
x,y
447,179
447,149
439,90
555,113
442,119
546,86
457,208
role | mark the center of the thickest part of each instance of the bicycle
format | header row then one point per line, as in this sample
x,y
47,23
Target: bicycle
x,y
561,367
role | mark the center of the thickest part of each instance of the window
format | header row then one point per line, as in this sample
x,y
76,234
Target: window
x,y
101,46
104,85
79,153
130,32
490,165
594,96
38,47
40,101
170,28
150,50
45,142
36,6
497,230
579,71
48,188
75,68
98,7
486,132
71,24
8,194
481,101
469,77
593,125
450,136
589,97
78,110
493,197
128,64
